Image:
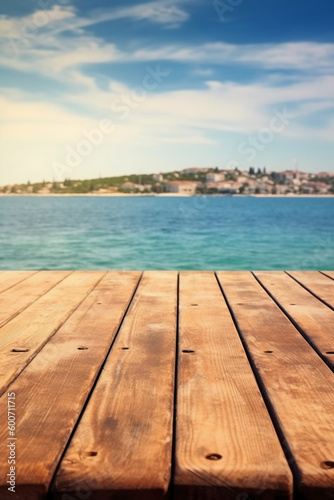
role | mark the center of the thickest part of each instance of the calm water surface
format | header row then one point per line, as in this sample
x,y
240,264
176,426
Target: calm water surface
x,y
166,233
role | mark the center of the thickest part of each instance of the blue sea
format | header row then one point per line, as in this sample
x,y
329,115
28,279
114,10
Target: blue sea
x,y
204,233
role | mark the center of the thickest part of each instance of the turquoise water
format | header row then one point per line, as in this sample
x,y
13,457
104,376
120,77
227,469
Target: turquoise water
x,y
166,233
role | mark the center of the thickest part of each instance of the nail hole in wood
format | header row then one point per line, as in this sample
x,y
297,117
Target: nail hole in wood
x,y
194,305
99,303
268,352
188,351
327,464
292,304
82,348
20,350
330,352
213,456
125,348
92,453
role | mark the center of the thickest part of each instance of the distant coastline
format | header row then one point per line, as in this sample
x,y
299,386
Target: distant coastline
x,y
192,181
160,195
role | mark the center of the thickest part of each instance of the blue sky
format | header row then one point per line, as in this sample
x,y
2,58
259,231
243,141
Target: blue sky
x,y
95,88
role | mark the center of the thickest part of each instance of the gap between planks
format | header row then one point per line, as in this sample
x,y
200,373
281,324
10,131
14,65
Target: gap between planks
x,y
12,278
84,352
296,383
318,284
21,295
226,444
313,319
123,443
24,336
70,363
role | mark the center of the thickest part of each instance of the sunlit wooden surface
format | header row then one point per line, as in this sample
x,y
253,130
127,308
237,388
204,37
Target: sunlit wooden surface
x,y
186,386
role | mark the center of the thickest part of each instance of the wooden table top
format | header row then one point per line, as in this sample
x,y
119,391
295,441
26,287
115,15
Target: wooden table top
x,y
189,386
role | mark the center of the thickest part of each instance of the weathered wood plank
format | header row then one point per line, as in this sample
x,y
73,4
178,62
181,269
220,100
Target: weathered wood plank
x,y
318,284
23,336
48,406
20,296
297,383
329,273
314,318
122,446
11,278
226,444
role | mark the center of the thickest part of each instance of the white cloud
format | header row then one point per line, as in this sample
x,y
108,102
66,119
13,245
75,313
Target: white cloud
x,y
28,26
162,12
296,56
41,43
63,18
183,116
200,117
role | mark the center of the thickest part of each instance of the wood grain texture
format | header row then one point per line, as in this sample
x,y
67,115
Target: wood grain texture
x,y
20,296
11,278
297,383
54,387
318,284
23,336
121,448
220,410
314,318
